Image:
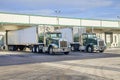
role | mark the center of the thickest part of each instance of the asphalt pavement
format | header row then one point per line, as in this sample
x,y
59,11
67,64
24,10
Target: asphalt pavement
x,y
75,66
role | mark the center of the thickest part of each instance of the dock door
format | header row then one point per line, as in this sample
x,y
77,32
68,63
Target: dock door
x,y
108,38
1,41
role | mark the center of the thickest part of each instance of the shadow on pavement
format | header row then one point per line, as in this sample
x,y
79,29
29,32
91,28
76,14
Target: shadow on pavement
x,y
29,58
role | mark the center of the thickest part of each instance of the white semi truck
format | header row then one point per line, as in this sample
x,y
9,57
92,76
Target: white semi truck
x,y
51,42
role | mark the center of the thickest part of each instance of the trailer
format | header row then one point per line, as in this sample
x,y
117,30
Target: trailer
x,y
50,42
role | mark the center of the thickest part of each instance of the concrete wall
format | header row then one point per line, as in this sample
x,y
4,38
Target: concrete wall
x,y
49,20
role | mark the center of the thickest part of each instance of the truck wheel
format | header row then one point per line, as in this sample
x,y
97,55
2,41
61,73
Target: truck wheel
x,y
34,49
15,48
90,49
72,48
66,53
37,49
50,50
41,51
10,48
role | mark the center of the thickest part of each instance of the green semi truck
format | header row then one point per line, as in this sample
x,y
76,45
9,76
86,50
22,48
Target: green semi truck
x,y
53,43
89,42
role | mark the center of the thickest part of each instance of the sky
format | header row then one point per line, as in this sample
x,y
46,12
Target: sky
x,y
89,9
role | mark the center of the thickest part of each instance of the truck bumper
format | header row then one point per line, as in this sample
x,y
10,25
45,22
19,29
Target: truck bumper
x,y
61,50
100,48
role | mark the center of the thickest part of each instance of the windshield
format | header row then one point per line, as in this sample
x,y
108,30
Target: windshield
x,y
91,36
54,35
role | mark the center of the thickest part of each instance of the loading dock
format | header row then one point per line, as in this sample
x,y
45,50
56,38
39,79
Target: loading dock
x,y
101,27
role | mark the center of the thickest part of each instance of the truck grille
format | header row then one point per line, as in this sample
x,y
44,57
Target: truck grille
x,y
101,43
63,43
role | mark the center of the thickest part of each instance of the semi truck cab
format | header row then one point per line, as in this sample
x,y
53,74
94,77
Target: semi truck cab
x,y
54,43
92,43
89,42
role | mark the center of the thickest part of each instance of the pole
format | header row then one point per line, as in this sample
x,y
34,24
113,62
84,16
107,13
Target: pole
x,y
6,45
44,35
118,21
57,12
118,26
92,29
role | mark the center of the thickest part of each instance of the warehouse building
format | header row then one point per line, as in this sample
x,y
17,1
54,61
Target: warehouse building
x,y
108,30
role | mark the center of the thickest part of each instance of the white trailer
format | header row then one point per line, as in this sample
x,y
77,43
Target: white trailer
x,y
20,39
70,33
29,37
67,33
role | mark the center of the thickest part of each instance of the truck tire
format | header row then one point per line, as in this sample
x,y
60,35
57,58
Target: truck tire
x,y
66,53
50,50
89,49
37,49
15,48
40,50
10,48
33,49
72,48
